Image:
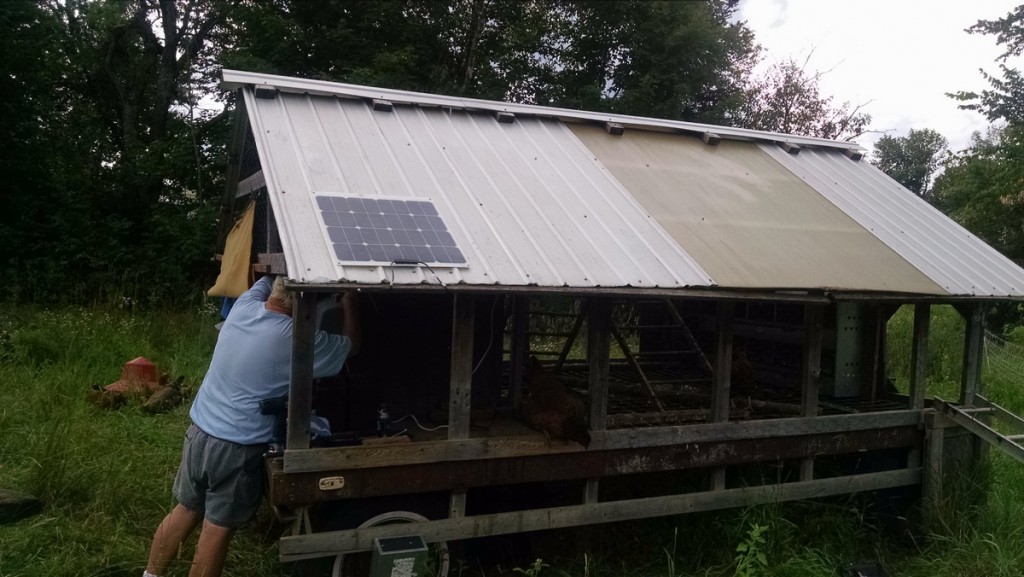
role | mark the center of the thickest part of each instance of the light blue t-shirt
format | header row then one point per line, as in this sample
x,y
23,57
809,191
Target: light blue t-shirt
x,y
252,362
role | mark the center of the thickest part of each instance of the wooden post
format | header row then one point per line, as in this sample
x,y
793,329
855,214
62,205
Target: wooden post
x,y
300,390
722,377
931,481
520,348
919,355
810,374
974,340
919,368
461,368
460,401
236,149
599,314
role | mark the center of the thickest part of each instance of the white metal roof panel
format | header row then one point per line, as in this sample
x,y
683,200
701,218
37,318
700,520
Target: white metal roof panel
x,y
954,258
746,219
237,79
527,203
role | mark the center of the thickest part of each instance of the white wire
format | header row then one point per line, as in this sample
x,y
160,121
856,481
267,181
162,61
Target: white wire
x,y
413,417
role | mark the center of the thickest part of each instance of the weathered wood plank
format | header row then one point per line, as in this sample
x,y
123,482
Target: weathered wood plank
x,y
919,355
598,323
462,368
974,341
723,363
331,543
810,379
722,377
931,483
300,391
302,488
520,347
337,458
239,131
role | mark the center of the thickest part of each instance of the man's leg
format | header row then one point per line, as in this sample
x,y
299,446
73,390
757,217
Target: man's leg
x,y
173,530
211,551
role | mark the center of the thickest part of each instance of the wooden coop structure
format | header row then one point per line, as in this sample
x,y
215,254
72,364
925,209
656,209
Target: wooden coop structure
x,y
717,296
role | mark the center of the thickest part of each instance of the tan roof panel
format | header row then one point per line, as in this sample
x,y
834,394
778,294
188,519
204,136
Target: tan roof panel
x,y
746,219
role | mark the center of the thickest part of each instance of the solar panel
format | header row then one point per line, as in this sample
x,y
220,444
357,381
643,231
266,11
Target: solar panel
x,y
380,230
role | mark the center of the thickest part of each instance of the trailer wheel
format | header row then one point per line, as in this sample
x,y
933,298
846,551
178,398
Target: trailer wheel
x,y
358,564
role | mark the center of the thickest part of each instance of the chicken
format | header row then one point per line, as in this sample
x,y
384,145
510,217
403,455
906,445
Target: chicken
x,y
551,408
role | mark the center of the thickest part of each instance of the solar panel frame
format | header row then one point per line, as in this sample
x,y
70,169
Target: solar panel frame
x,y
366,230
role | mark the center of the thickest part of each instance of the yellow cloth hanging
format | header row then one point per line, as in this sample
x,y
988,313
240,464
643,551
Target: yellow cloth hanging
x,y
233,279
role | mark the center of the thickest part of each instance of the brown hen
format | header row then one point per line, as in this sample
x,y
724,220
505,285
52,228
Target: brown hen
x,y
551,408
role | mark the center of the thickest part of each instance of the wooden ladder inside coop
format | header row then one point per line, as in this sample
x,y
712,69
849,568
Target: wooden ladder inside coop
x,y
982,419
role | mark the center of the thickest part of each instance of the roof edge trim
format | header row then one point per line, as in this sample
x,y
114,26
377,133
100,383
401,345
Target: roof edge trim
x,y
235,79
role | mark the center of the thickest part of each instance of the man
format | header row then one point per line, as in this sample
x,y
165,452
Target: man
x,y
220,479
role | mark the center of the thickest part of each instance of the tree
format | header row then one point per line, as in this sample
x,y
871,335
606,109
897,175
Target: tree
x,y
124,186
1004,100
983,189
683,60
912,160
787,100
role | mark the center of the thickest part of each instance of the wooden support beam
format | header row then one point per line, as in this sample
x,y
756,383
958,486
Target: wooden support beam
x,y
688,335
931,483
236,149
300,391
919,355
362,457
974,341
599,321
918,368
631,359
331,543
810,380
302,488
720,391
570,339
723,363
520,347
459,401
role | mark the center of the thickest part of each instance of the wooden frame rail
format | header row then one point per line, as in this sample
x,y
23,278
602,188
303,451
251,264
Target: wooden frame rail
x,y
362,457
325,544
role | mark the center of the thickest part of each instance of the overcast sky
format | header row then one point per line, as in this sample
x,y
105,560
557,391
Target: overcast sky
x,y
898,57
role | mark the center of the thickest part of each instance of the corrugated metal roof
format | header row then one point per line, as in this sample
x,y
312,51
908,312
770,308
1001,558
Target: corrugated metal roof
x,y
526,202
949,254
747,220
233,79
552,200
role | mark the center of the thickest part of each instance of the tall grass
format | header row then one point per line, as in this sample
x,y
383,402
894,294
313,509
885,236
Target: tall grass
x,y
105,476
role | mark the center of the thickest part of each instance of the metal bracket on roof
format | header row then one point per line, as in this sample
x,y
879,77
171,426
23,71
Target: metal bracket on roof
x,y
505,117
614,128
711,138
265,91
381,105
855,155
790,147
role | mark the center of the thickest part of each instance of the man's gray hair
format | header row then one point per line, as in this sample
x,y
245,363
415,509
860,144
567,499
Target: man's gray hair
x,y
284,297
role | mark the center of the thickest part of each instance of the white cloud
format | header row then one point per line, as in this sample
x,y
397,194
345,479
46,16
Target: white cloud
x,y
900,57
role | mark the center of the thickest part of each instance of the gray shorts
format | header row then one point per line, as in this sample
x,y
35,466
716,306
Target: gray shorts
x,y
220,479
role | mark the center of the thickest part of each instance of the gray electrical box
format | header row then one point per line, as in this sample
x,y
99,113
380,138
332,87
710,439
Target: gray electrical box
x,y
399,557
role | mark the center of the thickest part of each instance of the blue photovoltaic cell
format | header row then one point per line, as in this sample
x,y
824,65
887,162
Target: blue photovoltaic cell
x,y
387,230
